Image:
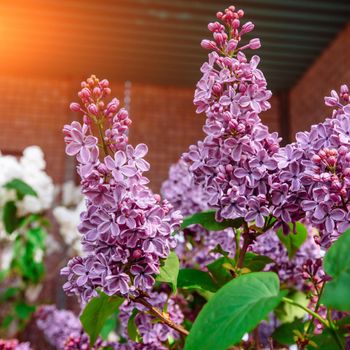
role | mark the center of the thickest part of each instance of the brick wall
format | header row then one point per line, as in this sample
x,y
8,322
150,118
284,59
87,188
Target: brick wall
x,y
329,71
33,111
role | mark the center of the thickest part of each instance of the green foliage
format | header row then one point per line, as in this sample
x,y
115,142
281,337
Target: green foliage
x,y
294,240
285,333
24,311
110,325
235,309
221,270
255,262
96,313
337,265
27,260
207,220
287,313
195,279
169,271
133,332
9,216
22,189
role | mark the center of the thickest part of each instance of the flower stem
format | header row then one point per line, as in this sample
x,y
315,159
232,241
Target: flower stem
x,y
246,243
309,311
105,149
162,316
316,309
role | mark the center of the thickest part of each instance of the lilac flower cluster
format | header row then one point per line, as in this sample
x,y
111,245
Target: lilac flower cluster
x,y
195,244
126,229
235,161
152,334
316,170
58,325
13,344
63,330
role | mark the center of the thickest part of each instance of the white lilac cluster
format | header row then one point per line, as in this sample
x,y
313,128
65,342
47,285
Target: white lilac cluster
x,y
30,168
68,216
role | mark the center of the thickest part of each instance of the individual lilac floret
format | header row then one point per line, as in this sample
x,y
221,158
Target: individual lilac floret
x,y
316,168
195,244
13,344
235,161
126,229
152,334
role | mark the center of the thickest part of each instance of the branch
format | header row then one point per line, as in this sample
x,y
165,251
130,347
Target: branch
x,y
163,316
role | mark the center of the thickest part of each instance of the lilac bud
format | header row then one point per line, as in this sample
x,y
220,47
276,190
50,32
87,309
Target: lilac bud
x,y
96,92
236,23
316,159
75,107
254,44
92,108
217,88
104,83
219,39
137,254
332,161
232,45
240,13
246,28
208,44
330,101
85,93
344,89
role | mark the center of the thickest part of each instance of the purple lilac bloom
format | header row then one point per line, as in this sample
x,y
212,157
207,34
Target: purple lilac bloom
x,y
126,229
235,162
152,334
317,171
195,244
57,325
63,330
13,344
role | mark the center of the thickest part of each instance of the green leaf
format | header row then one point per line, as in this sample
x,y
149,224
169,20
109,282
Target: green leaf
x,y
337,259
337,265
37,237
293,241
9,216
287,313
336,293
22,189
256,262
169,271
207,220
25,260
220,270
195,279
24,311
234,310
96,312
284,334
9,293
109,326
133,332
